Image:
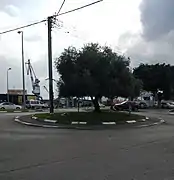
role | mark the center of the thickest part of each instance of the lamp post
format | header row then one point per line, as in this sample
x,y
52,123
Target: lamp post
x,y
7,84
23,64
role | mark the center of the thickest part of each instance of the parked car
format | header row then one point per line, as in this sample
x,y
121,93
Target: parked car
x,y
125,106
9,105
142,105
101,105
36,104
167,105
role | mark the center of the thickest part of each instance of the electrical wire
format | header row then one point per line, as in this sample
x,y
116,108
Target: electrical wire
x,y
25,26
38,22
61,7
87,5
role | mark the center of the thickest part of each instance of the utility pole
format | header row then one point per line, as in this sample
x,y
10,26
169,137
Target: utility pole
x,y
23,68
7,85
50,64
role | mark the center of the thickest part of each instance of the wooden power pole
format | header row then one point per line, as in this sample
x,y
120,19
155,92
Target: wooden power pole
x,y
50,64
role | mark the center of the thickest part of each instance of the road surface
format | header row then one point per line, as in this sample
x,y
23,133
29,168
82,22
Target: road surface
x,y
29,153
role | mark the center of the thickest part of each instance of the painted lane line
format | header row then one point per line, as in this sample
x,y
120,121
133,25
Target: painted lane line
x,y
82,122
33,117
131,122
74,122
49,120
109,123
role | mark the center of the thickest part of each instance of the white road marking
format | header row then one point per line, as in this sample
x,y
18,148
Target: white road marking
x,y
109,123
131,122
49,120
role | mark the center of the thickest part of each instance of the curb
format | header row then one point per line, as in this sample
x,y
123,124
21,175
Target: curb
x,y
17,119
18,111
162,121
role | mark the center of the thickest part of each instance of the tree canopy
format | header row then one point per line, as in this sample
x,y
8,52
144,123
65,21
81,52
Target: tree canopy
x,y
95,71
157,76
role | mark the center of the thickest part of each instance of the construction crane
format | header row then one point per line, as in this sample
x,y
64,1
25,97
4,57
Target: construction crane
x,y
34,80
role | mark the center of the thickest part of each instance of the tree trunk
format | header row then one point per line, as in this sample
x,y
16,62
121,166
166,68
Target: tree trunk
x,y
78,104
96,104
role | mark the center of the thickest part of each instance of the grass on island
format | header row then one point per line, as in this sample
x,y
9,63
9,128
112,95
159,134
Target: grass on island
x,y
89,117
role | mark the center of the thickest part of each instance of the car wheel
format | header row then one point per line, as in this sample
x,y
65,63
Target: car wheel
x,y
142,105
2,108
17,108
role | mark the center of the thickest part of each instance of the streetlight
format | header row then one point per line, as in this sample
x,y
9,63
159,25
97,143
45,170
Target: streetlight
x,y
7,84
23,64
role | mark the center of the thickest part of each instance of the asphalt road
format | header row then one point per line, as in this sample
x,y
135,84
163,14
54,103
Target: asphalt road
x,y
28,153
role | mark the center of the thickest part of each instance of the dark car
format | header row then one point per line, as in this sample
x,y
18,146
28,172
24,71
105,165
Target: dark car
x,y
125,106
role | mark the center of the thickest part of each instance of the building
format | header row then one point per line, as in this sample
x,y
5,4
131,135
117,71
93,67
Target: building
x,y
16,96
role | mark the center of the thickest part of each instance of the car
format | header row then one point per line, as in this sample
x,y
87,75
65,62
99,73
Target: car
x,y
36,104
142,105
101,105
125,105
167,105
9,105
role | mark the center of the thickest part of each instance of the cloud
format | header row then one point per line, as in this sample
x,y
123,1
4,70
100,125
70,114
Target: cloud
x,y
154,42
12,10
101,23
157,17
143,51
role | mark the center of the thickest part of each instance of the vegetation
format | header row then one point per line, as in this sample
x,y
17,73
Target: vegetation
x,y
157,77
92,118
95,71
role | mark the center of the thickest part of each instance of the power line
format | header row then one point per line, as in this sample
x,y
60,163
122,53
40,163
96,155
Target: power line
x,y
25,26
87,5
38,22
61,7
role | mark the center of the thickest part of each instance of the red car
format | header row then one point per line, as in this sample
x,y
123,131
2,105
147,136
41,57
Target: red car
x,y
125,106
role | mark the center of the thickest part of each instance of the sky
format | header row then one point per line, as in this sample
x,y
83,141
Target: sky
x,y
135,28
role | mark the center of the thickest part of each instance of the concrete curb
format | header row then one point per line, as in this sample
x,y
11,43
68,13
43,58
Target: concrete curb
x,y
17,119
18,111
153,124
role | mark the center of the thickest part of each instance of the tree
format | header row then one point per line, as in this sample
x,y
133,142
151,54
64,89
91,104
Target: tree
x,y
95,71
154,77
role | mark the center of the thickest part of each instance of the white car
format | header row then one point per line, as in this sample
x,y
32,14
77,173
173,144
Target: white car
x,y
36,104
169,105
8,105
101,105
